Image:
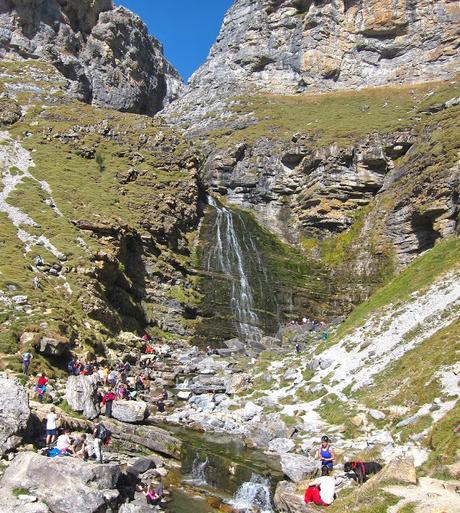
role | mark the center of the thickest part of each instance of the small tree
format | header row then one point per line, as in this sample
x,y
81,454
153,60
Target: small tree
x,y
100,161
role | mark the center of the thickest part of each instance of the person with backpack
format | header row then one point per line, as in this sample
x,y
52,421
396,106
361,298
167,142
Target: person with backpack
x,y
101,435
26,358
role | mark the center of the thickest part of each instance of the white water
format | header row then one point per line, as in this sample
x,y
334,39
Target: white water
x,y
228,255
253,496
198,474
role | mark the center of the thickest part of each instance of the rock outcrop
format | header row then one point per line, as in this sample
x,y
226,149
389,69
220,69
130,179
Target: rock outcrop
x,y
14,413
81,395
76,485
292,46
104,52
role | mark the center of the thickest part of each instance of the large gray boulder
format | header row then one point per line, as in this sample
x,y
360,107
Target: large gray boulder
x,y
66,485
54,346
151,437
261,433
14,413
236,383
12,504
130,411
81,395
298,467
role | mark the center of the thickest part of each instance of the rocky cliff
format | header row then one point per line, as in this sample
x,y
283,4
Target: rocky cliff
x,y
104,52
295,46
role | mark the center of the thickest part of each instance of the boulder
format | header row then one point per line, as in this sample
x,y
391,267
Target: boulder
x,y
400,470
376,414
12,504
81,395
136,506
281,445
14,413
236,383
76,485
250,410
267,429
298,467
184,395
288,499
150,437
211,365
140,465
130,411
53,346
203,402
205,384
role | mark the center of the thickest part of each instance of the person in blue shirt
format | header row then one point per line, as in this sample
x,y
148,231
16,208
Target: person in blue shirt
x,y
325,453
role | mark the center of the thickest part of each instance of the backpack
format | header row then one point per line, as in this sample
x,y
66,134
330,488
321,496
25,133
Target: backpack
x,y
103,433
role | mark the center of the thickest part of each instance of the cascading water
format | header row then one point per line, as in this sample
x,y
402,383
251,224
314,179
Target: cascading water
x,y
254,495
198,477
228,254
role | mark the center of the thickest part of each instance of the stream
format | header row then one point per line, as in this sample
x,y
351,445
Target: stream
x,y
217,469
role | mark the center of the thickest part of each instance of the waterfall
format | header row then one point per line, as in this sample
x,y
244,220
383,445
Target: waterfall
x,y
228,255
198,474
254,495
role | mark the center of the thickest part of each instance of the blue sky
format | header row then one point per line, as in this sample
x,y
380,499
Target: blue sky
x,y
187,28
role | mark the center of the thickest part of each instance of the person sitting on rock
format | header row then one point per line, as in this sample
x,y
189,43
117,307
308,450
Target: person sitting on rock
x,y
152,496
122,392
325,453
79,447
322,490
140,386
64,443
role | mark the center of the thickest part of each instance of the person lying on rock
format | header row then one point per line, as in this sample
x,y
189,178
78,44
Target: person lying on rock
x,y
325,453
322,490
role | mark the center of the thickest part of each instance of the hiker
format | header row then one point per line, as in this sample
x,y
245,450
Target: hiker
x,y
51,426
64,443
325,336
297,348
322,490
325,453
107,400
79,447
101,435
112,378
26,359
40,387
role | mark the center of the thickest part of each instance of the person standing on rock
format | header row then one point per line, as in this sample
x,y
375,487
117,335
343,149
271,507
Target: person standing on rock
x,y
107,400
325,453
101,434
51,426
26,359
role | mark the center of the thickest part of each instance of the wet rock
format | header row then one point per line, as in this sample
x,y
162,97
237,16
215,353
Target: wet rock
x,y
76,485
298,467
14,413
288,499
130,411
81,395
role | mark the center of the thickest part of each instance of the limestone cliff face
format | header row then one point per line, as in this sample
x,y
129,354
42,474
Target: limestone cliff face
x,y
288,46
105,52
295,46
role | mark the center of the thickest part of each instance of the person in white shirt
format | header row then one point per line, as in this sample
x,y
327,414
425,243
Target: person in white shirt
x,y
322,490
64,443
51,427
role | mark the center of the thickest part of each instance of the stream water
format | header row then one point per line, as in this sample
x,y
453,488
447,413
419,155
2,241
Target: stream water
x,y
218,469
